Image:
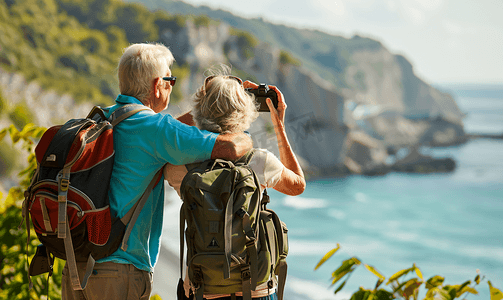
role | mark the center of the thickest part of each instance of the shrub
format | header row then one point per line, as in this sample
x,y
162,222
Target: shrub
x,y
286,58
16,247
401,287
20,115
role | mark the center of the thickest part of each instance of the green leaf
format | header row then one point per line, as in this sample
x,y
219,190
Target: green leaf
x,y
418,272
430,295
383,295
327,256
400,274
496,294
434,281
39,132
362,294
3,133
346,267
340,287
452,291
460,289
28,130
378,284
468,289
411,287
375,272
477,279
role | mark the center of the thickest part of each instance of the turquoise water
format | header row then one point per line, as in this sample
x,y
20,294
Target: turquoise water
x,y
448,224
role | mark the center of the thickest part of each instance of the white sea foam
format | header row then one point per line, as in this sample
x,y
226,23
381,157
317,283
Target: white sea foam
x,y
337,214
304,203
310,290
302,248
361,197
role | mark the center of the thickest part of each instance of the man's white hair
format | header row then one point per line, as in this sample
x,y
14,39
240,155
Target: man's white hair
x,y
139,65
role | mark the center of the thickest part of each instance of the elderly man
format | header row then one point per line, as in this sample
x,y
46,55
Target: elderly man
x,y
144,143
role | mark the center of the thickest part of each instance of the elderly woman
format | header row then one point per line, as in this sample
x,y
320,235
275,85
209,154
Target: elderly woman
x,y
223,106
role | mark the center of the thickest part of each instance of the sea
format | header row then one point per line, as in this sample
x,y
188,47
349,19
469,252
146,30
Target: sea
x,y
446,224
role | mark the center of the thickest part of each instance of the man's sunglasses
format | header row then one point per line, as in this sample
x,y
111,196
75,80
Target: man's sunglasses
x,y
171,79
209,78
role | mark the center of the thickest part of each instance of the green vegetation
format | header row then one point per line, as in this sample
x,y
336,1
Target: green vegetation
x,y
20,115
8,159
73,47
203,21
246,42
182,73
3,104
402,285
13,252
286,58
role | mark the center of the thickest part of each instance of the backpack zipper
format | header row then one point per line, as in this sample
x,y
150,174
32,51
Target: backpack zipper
x,y
51,197
54,183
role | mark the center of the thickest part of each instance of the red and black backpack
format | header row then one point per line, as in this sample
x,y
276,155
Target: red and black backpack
x,y
68,196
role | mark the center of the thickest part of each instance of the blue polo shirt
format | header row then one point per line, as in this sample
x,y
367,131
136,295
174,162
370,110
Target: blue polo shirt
x,y
143,144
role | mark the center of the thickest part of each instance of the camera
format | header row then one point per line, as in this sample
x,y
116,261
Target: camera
x,y
261,94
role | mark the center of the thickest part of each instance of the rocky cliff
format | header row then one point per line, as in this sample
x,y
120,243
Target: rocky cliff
x,y
381,108
377,106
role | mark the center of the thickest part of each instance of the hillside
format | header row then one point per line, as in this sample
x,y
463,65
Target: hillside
x,y
55,53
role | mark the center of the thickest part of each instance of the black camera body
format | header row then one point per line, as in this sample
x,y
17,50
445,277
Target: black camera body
x,y
261,94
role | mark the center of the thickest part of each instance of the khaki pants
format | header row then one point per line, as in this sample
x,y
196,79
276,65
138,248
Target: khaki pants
x,y
109,281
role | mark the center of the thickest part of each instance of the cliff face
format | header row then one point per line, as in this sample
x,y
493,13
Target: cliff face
x,y
377,104
381,106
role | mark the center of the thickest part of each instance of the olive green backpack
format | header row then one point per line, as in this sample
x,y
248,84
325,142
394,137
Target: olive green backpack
x,y
234,243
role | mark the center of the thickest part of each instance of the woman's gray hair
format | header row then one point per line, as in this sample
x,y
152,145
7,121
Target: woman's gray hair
x,y
223,106
139,65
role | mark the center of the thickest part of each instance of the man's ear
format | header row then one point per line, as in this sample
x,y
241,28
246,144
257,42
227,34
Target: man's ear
x,y
157,87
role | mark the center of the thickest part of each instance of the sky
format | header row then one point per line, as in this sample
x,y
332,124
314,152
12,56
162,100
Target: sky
x,y
447,41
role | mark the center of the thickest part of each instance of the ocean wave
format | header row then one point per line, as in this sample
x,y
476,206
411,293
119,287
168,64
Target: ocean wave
x,y
337,214
311,290
302,248
304,203
361,197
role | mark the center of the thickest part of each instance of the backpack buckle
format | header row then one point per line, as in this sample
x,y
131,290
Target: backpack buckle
x,y
265,198
245,272
241,212
198,276
63,181
64,184
250,242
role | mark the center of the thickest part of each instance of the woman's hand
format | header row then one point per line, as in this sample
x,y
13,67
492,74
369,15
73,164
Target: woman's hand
x,y
277,115
292,181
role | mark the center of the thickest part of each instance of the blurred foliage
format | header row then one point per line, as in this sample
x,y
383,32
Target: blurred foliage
x,y
8,159
73,47
287,59
20,115
402,285
203,21
182,73
246,42
16,246
3,103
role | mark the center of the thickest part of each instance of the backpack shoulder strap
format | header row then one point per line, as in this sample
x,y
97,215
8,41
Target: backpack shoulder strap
x,y
131,216
245,159
125,112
